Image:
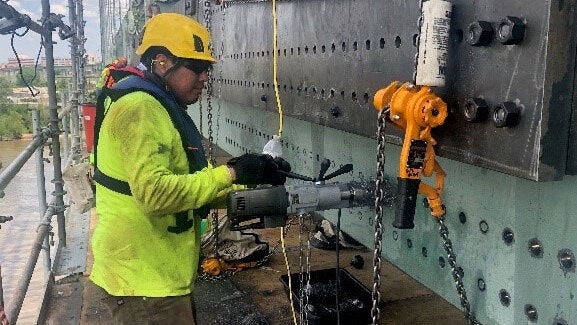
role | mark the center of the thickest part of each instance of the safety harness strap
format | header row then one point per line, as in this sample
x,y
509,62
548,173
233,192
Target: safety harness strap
x,y
189,134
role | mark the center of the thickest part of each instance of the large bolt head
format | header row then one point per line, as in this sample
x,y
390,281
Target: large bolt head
x,y
511,30
506,114
480,33
476,110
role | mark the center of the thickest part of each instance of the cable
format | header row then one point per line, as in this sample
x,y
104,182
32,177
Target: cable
x,y
338,271
274,68
288,275
27,83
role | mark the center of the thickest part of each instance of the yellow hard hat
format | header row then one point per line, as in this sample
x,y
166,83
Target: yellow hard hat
x,y
183,36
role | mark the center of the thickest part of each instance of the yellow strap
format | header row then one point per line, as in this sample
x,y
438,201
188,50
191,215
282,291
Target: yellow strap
x,y
274,68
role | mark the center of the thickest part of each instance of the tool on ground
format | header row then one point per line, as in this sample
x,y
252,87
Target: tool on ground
x,y
416,110
268,207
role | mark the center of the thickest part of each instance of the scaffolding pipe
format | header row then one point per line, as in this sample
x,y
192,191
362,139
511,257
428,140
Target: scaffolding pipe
x,y
65,134
80,23
41,183
75,58
11,170
54,128
1,290
24,281
8,12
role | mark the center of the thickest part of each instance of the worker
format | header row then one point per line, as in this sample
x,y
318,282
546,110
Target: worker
x,y
153,182
118,63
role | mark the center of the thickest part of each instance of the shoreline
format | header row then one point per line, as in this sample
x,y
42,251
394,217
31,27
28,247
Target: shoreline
x,y
25,136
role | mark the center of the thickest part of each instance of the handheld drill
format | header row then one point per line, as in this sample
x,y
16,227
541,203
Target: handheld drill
x,y
268,207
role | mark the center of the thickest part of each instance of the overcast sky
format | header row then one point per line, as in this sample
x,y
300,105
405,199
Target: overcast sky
x,y
30,43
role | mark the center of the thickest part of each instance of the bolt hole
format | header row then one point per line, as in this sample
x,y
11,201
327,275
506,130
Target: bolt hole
x,y
424,251
508,236
398,42
483,226
481,285
462,217
395,235
505,298
409,243
441,262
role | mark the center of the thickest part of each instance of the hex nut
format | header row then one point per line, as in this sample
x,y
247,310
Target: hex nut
x,y
476,110
506,114
480,33
511,30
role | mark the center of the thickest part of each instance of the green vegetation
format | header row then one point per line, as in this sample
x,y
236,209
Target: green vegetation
x,y
33,78
15,119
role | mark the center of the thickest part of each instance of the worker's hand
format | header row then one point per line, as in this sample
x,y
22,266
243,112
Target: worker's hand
x,y
253,169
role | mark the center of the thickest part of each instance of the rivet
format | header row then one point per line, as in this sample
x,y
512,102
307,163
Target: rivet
x,y
535,248
566,260
531,312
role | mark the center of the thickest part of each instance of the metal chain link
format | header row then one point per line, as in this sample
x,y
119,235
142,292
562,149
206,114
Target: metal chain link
x,y
378,223
211,158
457,276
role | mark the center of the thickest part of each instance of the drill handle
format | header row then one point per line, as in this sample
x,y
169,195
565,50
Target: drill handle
x,y
343,170
407,190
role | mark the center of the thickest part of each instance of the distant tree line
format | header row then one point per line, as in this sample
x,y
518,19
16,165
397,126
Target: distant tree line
x,y
16,119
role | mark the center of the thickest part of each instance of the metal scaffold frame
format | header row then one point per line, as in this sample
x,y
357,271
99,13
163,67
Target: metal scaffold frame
x,y
11,18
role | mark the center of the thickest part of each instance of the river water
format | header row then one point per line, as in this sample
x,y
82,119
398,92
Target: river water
x,y
17,236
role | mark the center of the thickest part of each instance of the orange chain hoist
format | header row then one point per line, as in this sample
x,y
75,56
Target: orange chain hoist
x,y
416,110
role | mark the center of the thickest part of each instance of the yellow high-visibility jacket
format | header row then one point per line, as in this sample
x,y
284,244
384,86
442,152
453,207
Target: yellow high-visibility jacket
x,y
134,254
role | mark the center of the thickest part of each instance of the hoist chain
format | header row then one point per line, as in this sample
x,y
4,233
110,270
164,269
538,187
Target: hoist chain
x,y
378,223
214,214
457,276
272,250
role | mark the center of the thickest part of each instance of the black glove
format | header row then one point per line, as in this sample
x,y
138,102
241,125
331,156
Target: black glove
x,y
253,169
282,165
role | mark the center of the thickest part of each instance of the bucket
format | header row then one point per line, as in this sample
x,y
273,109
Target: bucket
x,y
89,113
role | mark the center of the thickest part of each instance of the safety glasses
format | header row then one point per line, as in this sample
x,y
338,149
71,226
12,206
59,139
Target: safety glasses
x,y
197,66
